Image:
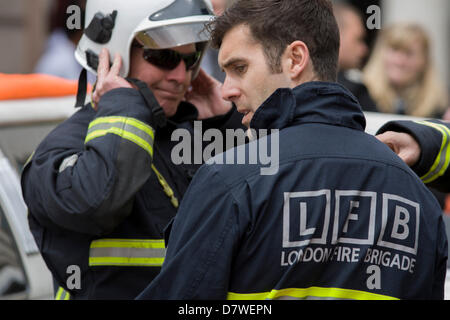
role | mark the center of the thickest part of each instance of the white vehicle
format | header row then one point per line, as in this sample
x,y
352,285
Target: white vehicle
x,y
23,124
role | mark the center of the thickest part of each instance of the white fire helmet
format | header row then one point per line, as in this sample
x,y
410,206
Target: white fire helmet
x,y
156,24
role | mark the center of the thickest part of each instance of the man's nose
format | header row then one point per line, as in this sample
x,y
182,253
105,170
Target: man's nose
x,y
230,91
178,74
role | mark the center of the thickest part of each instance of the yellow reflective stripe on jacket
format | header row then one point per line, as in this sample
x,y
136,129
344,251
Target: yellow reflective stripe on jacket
x,y
127,252
131,121
310,293
62,294
127,128
167,189
442,160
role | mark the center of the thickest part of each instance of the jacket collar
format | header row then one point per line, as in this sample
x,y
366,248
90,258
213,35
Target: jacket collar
x,y
319,102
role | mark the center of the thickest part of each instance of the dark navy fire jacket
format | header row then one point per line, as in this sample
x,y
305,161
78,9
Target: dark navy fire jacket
x,y
340,216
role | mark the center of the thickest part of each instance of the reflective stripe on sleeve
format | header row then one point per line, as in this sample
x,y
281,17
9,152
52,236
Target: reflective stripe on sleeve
x,y
442,160
127,252
309,293
62,294
131,129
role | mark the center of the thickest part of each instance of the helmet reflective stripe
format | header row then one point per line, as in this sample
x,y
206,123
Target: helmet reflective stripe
x,y
180,9
134,17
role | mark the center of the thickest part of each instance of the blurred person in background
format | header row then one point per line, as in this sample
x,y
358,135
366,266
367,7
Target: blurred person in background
x,y
353,50
58,58
401,76
402,79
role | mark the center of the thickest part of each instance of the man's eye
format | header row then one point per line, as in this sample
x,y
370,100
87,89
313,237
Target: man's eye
x,y
240,69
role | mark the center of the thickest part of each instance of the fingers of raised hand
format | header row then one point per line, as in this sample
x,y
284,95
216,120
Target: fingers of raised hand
x,y
108,78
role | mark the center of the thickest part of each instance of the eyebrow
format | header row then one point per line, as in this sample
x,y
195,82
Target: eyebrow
x,y
232,61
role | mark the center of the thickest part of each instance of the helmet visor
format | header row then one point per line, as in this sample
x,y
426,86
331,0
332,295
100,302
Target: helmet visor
x,y
170,36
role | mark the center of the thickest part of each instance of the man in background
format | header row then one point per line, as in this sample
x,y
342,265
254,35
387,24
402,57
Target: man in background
x,y
352,52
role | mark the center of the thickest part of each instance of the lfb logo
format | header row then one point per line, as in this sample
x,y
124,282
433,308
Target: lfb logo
x,y
353,217
400,224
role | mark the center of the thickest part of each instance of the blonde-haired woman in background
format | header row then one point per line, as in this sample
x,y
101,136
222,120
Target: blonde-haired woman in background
x,y
400,74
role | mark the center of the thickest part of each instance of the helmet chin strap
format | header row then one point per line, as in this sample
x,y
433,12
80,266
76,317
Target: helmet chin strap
x,y
82,89
159,116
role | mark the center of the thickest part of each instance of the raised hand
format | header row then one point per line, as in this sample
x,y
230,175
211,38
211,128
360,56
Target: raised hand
x,y
205,95
108,78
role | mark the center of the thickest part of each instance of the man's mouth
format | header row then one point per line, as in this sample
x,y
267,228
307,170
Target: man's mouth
x,y
170,93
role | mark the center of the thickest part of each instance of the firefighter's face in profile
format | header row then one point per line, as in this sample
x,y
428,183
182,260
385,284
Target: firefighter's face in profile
x,y
168,85
249,80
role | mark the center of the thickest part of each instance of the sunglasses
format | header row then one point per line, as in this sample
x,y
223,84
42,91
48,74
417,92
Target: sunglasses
x,y
169,59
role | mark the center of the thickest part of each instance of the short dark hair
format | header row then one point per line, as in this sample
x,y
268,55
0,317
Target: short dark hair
x,y
277,23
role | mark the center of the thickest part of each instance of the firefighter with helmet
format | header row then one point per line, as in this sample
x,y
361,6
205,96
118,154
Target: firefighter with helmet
x,y
101,187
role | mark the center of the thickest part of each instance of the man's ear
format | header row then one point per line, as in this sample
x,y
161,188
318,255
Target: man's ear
x,y
298,58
